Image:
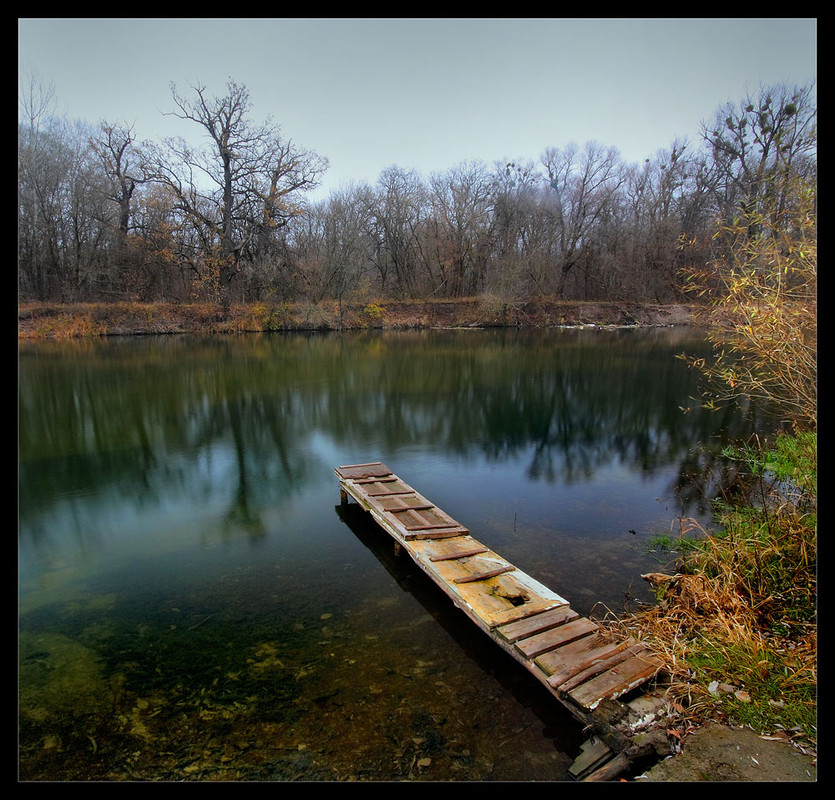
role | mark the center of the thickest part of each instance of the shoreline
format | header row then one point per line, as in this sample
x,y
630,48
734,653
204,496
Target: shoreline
x,y
84,320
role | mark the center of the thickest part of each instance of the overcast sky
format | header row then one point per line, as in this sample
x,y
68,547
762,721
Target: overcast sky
x,y
424,94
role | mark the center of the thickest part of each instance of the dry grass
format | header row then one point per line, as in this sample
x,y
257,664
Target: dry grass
x,y
736,624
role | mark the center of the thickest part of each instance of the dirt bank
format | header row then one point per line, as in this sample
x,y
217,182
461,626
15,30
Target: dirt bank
x,y
719,753
479,312
57,320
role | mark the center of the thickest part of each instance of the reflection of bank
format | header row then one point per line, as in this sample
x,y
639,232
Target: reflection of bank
x,y
580,663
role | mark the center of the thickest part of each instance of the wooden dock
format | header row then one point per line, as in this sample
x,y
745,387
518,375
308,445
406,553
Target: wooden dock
x,y
579,662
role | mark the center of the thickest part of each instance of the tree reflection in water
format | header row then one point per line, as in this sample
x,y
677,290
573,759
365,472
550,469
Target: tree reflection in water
x,y
189,482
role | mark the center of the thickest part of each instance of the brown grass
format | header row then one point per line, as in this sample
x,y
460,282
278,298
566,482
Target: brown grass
x,y
738,641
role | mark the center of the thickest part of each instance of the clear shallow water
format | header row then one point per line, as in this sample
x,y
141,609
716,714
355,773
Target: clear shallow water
x,y
194,603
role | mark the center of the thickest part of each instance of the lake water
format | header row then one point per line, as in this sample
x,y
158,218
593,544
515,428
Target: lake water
x,y
194,604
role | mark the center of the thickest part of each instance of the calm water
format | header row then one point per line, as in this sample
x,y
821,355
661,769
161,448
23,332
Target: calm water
x,y
194,603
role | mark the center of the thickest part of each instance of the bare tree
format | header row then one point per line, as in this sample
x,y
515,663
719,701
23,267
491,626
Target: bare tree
x,y
242,185
662,200
756,145
399,208
527,232
37,185
114,149
60,216
332,245
584,184
517,190
461,202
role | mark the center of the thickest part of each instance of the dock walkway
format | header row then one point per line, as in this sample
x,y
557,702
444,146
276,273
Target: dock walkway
x,y
577,660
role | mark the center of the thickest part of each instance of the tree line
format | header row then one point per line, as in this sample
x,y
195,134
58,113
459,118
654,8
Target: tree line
x,y
104,217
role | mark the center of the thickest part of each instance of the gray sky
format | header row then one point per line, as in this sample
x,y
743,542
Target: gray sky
x,y
424,94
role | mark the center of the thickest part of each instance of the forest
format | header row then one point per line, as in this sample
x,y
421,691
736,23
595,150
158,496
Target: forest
x,y
103,217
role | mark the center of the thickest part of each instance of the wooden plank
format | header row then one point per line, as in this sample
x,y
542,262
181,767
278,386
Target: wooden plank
x,y
616,681
474,551
494,610
400,503
483,576
355,471
426,526
550,661
537,623
593,753
561,665
432,517
378,488
522,596
447,549
447,533
579,667
600,665
473,569
556,637
492,604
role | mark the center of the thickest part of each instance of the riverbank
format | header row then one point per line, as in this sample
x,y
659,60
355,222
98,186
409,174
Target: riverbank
x,y
72,320
729,754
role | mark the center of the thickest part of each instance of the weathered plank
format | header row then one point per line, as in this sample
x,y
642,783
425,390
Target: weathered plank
x,y
387,488
515,612
403,511
424,519
593,754
360,471
428,525
615,681
437,533
503,599
473,551
537,623
574,671
463,570
556,637
483,576
400,509
568,661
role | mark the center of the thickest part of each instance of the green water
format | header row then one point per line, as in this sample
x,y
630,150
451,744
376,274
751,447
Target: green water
x,y
194,604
